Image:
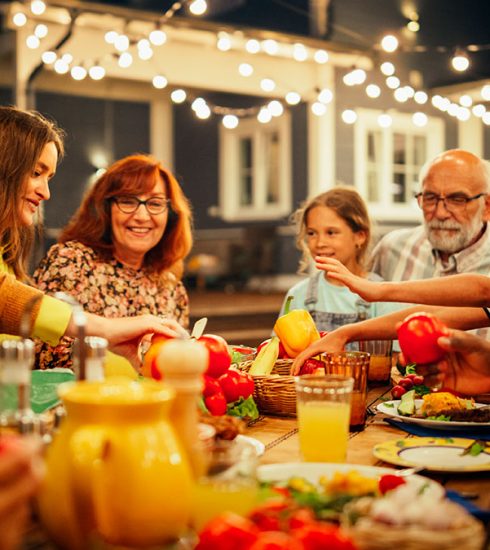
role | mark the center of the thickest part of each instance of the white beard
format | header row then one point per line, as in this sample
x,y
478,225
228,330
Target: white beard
x,y
459,238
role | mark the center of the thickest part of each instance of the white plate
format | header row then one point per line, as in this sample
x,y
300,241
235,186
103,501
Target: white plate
x,y
437,454
385,408
312,471
259,446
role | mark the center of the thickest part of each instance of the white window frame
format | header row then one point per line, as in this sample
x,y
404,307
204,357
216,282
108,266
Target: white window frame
x,y
385,209
229,179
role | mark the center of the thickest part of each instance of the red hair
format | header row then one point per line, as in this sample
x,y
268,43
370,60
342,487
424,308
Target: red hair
x,y
133,175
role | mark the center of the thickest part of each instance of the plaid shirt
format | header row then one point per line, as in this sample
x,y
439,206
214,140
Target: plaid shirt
x,y
406,254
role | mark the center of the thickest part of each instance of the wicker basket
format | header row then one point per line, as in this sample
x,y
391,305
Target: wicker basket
x,y
275,393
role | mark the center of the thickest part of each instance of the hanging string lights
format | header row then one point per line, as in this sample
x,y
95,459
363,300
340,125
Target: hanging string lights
x,y
128,49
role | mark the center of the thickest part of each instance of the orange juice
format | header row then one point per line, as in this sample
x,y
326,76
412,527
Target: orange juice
x,y
212,497
323,430
379,368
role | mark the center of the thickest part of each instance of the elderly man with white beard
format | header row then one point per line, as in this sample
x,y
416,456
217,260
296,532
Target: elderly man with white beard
x,y
454,237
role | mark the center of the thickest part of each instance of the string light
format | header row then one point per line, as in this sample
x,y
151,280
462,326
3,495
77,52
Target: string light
x,y
460,61
198,7
48,57
252,46
299,52
19,19
245,69
318,109
159,81
293,98
230,121
321,56
96,72
349,116
485,92
389,43
178,96
373,91
267,84
385,120
38,7
420,119
387,68
157,37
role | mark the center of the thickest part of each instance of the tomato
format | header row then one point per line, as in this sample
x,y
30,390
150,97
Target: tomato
x,y
282,352
312,366
321,536
389,482
406,383
417,380
216,404
228,531
275,540
397,391
149,367
236,384
270,515
211,386
219,357
300,518
418,336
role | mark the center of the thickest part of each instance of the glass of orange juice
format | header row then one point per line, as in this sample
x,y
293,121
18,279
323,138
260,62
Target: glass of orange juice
x,y
323,409
227,481
356,365
380,362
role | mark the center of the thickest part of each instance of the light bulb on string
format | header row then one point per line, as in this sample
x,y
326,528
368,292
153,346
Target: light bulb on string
x,y
465,100
270,47
373,91
486,118
264,115
385,120
325,96
121,43
318,109
48,57
478,110
32,42
198,7
252,46
300,53
78,72
96,72
245,69
420,119
463,114
157,37
485,92
61,66
19,19
125,60
387,68
420,97
321,56
267,84
349,116
159,81
224,42
110,37
389,43
230,121
460,61
393,82
203,112
38,7
275,108
178,96
293,98
41,30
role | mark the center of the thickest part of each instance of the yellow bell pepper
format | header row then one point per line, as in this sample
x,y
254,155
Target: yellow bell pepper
x,y
296,329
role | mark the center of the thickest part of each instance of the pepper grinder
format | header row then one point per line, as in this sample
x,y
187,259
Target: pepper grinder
x,y
16,361
183,362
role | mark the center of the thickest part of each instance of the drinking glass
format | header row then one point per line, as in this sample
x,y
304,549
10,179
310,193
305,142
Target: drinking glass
x,y
356,365
380,363
323,409
227,481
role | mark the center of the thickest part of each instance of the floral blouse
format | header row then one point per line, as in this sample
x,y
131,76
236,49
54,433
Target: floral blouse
x,y
106,288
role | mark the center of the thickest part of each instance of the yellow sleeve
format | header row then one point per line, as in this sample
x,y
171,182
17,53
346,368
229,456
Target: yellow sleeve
x,y
52,320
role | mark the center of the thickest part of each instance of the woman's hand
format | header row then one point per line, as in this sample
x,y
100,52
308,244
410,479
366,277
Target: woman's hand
x,y
124,334
333,341
21,472
465,369
336,270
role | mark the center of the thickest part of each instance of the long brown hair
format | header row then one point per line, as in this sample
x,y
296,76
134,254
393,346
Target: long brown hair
x,y
133,175
23,136
348,205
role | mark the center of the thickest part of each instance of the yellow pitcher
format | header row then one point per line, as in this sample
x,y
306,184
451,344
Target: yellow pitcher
x,y
116,472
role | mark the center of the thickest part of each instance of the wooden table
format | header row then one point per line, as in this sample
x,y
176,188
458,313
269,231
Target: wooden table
x,y
280,437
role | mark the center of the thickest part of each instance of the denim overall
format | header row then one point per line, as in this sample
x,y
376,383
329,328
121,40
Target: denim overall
x,y
327,321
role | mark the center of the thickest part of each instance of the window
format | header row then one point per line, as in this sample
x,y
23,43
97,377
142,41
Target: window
x,y
255,170
388,161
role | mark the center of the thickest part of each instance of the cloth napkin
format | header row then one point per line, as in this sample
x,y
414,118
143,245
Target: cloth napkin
x,y
482,433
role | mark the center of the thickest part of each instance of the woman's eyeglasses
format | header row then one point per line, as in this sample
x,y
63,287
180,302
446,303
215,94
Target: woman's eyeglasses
x,y
453,203
129,204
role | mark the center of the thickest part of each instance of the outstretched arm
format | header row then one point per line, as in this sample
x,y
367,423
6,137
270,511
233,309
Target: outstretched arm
x,y
468,289
383,328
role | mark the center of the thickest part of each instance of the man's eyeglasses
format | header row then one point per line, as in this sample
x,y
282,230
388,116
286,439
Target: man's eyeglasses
x,y
129,204
453,203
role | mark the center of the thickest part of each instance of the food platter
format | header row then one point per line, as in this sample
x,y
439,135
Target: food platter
x,y
390,408
313,471
438,454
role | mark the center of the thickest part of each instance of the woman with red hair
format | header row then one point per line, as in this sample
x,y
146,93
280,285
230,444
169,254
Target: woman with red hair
x,y
122,252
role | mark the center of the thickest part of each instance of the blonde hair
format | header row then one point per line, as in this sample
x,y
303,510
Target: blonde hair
x,y
348,205
23,136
